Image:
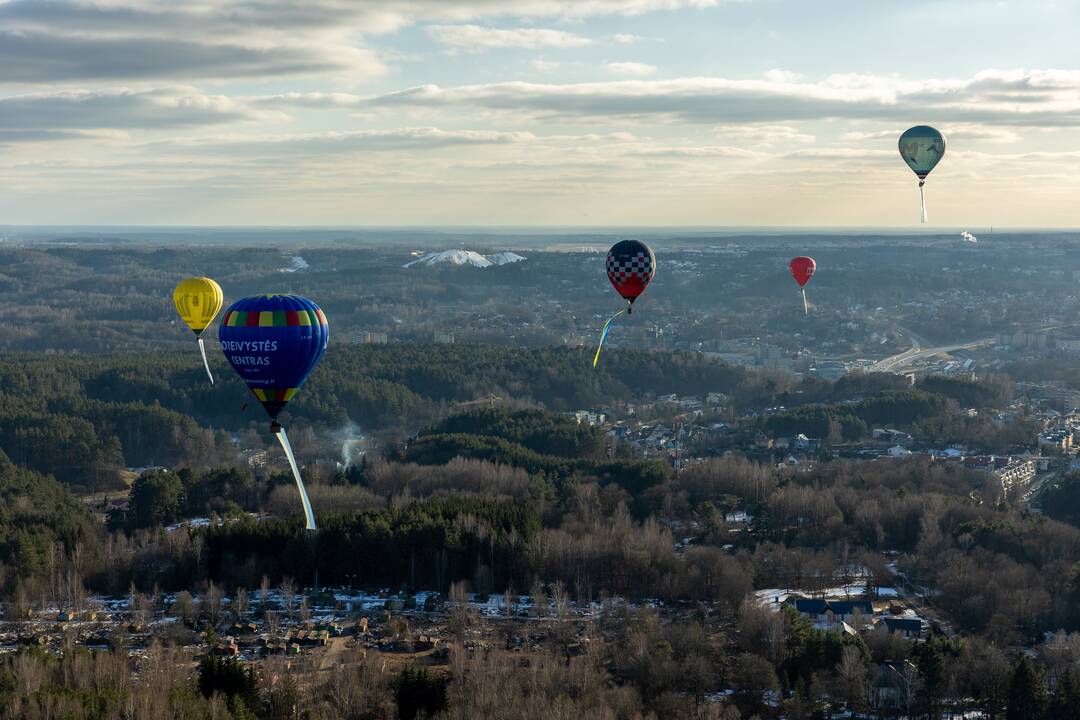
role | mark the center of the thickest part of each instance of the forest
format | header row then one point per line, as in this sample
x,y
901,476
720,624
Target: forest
x,y
514,497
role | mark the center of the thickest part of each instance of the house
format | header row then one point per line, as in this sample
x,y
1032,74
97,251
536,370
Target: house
x,y
833,614
895,437
909,628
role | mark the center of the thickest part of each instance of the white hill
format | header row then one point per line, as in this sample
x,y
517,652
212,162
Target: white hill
x,y
452,257
465,257
505,258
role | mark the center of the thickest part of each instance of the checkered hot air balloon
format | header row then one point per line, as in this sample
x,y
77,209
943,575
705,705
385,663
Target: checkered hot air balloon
x,y
630,268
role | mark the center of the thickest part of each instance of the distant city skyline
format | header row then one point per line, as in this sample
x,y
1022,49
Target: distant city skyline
x,y
659,113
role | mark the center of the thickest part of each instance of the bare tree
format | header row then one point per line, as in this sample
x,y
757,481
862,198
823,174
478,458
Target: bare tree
x,y
288,596
305,611
264,594
211,604
184,607
851,680
240,603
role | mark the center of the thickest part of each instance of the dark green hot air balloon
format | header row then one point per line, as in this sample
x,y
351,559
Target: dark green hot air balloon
x,y
922,148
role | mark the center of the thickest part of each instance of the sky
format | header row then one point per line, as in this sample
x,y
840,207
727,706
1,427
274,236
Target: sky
x,y
713,113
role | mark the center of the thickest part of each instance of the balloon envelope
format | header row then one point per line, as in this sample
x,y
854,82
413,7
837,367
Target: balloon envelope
x,y
922,147
630,267
274,342
197,301
802,269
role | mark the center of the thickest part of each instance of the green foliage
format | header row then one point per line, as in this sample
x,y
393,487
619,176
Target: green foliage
x,y
988,392
428,543
37,514
542,432
154,499
227,676
854,420
418,694
1062,501
1027,692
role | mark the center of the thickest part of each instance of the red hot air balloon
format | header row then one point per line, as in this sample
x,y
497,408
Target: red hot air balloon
x,y
802,269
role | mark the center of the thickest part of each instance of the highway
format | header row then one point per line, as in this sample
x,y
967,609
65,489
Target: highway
x,y
918,351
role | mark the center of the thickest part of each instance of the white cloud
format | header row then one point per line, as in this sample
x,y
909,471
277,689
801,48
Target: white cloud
x,y
1045,98
778,75
627,38
966,132
74,40
317,145
476,38
545,65
125,109
764,134
631,68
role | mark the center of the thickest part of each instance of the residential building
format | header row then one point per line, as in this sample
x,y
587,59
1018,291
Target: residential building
x,y
909,628
371,338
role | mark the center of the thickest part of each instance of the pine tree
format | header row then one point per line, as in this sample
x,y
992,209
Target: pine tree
x,y
1065,703
1027,692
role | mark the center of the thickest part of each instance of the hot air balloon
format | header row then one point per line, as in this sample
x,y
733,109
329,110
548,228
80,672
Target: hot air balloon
x,y
802,269
922,148
631,265
197,301
273,342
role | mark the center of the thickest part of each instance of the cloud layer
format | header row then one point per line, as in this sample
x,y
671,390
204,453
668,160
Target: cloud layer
x,y
1039,98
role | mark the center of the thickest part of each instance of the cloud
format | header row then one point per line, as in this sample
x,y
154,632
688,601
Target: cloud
x,y
18,137
778,75
545,65
631,68
952,131
719,151
314,145
1052,98
764,134
308,100
476,38
627,38
124,109
43,58
64,41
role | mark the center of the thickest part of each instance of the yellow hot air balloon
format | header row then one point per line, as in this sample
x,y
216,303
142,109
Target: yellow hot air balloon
x,y
198,301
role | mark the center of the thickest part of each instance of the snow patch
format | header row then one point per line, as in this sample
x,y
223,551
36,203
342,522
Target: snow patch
x,y
452,257
505,258
297,264
465,257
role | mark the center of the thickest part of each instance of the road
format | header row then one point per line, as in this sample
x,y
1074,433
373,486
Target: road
x,y
919,351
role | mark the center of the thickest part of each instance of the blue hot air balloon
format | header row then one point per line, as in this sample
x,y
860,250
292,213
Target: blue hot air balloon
x,y
922,147
273,342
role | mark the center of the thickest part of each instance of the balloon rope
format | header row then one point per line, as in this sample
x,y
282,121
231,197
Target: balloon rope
x,y
284,440
202,349
603,336
805,307
922,202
